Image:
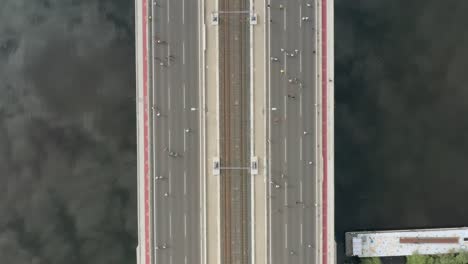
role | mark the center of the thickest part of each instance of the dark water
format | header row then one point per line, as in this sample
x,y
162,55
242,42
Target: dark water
x,y
67,132
401,114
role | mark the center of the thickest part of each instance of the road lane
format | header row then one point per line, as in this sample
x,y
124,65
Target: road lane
x,y
293,218
175,132
161,140
310,178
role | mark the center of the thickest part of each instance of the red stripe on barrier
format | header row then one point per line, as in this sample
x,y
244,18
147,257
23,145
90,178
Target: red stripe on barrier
x,y
145,136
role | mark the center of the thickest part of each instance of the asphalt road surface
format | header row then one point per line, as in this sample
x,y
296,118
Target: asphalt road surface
x,y
174,93
293,142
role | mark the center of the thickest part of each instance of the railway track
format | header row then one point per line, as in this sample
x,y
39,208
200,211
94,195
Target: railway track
x,y
234,118
225,180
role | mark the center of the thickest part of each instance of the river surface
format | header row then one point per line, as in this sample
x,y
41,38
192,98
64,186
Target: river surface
x,y
401,115
67,132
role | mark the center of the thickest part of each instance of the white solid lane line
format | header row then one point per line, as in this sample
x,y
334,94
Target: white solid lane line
x,y
285,193
168,14
285,107
170,224
286,235
183,52
285,150
300,231
300,104
284,18
170,181
154,208
183,11
285,65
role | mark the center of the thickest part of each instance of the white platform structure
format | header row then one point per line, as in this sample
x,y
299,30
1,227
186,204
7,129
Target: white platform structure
x,y
407,242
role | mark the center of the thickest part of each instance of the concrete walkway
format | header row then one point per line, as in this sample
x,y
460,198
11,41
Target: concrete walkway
x,y
259,182
210,88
